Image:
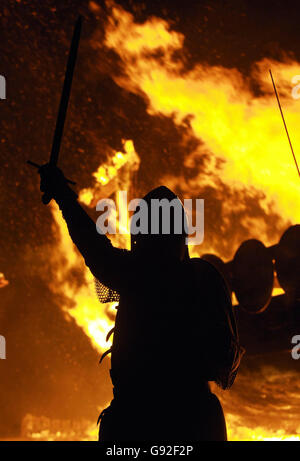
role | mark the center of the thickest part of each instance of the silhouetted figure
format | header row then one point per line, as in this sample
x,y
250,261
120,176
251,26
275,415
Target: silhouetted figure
x,y
174,332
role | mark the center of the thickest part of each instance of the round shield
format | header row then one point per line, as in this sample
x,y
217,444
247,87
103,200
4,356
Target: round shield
x,y
287,260
253,276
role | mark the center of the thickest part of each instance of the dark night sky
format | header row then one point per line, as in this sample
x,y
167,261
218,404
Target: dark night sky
x,y
34,41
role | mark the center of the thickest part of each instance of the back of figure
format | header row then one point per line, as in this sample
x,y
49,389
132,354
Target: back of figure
x,y
171,326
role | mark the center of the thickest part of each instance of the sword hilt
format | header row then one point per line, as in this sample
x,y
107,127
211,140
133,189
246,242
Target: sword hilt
x,y
36,165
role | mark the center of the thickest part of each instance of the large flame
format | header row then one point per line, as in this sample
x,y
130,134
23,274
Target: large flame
x,y
82,303
94,318
241,132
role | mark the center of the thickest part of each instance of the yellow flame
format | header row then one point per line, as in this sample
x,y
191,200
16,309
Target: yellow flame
x,y
83,306
242,129
110,171
236,126
3,281
238,431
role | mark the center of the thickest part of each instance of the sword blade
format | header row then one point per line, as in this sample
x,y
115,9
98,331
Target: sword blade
x,y
63,106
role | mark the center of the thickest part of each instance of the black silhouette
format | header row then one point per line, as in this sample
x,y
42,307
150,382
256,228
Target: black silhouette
x,y
174,332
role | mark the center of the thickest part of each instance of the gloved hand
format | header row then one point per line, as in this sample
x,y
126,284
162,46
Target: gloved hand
x,y
53,183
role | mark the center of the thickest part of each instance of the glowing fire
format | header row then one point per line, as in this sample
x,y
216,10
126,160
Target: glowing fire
x,y
257,399
3,281
110,174
241,129
83,306
94,318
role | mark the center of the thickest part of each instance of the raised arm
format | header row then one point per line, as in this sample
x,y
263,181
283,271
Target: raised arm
x,y
107,263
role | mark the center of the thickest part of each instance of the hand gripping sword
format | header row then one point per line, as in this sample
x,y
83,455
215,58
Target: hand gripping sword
x,y
63,106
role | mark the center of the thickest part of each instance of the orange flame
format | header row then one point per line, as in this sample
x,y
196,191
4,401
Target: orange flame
x,y
3,281
239,128
93,317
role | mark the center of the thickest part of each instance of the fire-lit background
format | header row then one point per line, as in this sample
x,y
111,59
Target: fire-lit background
x,y
164,92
